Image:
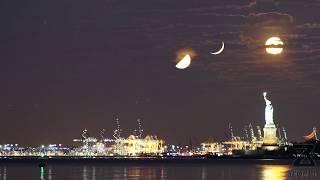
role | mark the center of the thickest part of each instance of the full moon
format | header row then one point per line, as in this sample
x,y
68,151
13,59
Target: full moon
x,y
274,46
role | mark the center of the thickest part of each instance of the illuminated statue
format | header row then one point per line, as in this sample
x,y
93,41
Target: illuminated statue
x,y
268,110
270,140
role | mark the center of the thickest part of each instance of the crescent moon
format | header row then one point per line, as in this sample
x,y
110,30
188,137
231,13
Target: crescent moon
x,y
184,62
220,51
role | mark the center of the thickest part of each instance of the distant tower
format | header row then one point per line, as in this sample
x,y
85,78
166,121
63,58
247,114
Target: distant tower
x,y
117,131
84,134
252,137
246,133
140,128
285,136
139,132
259,133
279,132
231,132
102,133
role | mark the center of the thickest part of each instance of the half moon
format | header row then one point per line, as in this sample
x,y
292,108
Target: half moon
x,y
184,62
220,51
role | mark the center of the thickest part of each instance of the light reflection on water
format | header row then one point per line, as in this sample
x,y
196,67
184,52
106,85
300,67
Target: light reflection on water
x,y
274,172
154,171
3,173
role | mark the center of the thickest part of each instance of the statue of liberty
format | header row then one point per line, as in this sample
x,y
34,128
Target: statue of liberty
x,y
270,140
268,110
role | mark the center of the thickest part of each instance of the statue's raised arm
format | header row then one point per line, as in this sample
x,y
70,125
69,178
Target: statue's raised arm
x,y
268,110
268,102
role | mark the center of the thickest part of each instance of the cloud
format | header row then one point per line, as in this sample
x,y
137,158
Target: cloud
x,y
252,4
309,26
260,26
269,18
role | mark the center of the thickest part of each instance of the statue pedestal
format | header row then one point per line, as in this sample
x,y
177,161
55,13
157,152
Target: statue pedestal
x,y
270,140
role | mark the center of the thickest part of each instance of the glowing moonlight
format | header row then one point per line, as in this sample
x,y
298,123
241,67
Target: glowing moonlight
x,y
184,62
274,46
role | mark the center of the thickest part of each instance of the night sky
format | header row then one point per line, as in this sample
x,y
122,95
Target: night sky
x,y
67,65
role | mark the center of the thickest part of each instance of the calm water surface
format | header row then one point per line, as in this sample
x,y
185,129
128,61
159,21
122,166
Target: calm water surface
x,y
92,171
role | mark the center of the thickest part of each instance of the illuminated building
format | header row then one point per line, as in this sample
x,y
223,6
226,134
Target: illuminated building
x,y
211,147
134,146
89,144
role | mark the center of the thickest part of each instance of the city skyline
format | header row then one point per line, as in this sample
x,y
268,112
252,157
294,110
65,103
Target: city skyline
x,y
78,69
